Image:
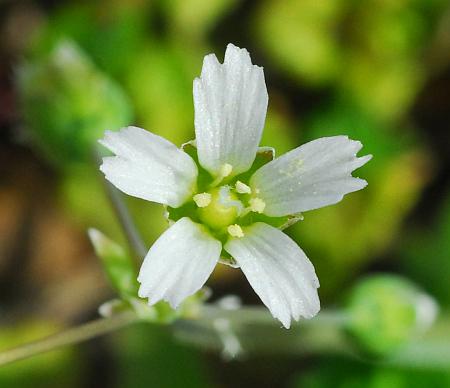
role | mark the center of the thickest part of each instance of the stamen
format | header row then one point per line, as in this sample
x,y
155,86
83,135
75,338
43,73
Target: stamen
x,y
242,188
257,205
225,170
235,231
202,199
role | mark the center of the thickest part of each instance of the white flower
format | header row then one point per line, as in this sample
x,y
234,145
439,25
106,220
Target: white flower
x,y
222,207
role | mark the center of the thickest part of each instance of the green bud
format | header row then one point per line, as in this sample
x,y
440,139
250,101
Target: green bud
x,y
117,264
387,311
68,103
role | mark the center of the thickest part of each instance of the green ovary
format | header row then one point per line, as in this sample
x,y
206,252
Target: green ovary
x,y
217,214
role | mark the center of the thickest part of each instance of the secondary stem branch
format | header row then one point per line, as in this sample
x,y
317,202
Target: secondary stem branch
x,y
69,337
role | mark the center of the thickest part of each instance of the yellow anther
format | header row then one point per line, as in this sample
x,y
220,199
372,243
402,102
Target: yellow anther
x,y
202,199
257,205
235,231
242,188
225,170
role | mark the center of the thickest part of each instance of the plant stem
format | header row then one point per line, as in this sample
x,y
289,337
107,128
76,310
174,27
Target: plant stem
x,y
69,337
252,330
123,215
133,237
206,321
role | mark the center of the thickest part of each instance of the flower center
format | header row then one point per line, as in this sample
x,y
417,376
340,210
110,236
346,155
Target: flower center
x,y
226,203
219,207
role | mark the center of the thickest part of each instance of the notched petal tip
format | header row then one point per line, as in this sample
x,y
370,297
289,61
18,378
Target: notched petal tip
x,y
230,102
108,135
210,65
285,322
142,293
356,145
314,175
363,183
363,160
279,272
148,166
174,303
235,53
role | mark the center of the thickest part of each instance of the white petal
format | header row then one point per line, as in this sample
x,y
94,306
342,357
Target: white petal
x,y
311,176
148,166
178,264
230,102
278,270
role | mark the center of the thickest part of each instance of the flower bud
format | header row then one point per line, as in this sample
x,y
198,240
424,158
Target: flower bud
x,y
387,311
67,103
117,264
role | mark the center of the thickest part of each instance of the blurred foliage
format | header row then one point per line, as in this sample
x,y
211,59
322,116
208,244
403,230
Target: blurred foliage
x,y
110,31
81,194
426,255
146,354
314,54
164,105
69,104
386,312
193,19
51,370
370,52
340,373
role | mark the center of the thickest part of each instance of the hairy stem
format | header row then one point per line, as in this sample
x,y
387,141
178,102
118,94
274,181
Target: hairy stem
x,y
69,337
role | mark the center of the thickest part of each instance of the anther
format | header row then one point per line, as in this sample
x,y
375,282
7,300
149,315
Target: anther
x,y
242,188
257,205
225,170
235,231
202,199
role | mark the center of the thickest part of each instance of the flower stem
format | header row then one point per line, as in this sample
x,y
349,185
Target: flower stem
x,y
123,215
69,337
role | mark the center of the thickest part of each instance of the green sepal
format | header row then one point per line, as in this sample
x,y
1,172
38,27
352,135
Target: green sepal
x,y
264,155
117,264
277,222
204,177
